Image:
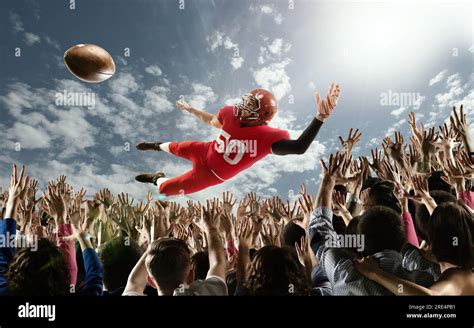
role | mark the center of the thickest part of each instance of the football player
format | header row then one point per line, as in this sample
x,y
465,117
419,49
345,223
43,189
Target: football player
x,y
245,138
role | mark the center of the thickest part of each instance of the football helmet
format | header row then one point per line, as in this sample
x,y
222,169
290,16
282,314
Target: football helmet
x,y
258,105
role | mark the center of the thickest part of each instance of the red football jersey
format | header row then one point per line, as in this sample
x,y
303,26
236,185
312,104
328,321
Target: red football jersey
x,y
237,148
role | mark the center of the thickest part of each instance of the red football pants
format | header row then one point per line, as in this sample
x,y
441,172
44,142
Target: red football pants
x,y
198,178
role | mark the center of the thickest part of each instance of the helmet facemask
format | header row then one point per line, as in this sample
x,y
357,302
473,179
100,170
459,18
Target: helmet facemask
x,y
250,106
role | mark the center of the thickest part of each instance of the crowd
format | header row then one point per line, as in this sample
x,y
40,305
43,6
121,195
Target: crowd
x,y
398,223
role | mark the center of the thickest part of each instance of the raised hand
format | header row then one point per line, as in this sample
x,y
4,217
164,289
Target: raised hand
x,y
174,212
56,205
339,206
345,174
414,155
211,214
161,222
227,225
376,164
334,164
306,202
421,192
184,106
32,190
274,208
105,197
123,200
245,234
351,141
83,237
17,191
396,149
270,235
459,123
326,106
428,143
92,211
417,133
228,201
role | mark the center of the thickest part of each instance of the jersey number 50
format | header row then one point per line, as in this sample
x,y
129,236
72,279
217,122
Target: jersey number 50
x,y
226,146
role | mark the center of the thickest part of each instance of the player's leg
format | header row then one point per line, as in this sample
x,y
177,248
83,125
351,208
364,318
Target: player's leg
x,y
150,177
197,179
150,146
194,151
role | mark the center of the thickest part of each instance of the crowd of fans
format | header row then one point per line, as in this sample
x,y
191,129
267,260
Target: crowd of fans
x,y
399,223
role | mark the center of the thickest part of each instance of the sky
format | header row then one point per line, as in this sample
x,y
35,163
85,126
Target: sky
x,y
389,57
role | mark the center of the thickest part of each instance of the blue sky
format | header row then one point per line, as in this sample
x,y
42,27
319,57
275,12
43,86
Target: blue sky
x,y
211,52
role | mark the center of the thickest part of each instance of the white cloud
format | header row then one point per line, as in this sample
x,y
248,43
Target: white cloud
x,y
471,48
274,78
17,24
39,122
156,100
398,112
268,10
31,38
454,90
232,101
273,51
221,40
438,77
236,62
52,42
201,96
154,70
27,136
396,127
124,84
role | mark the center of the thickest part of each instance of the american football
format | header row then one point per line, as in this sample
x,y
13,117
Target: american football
x,y
89,63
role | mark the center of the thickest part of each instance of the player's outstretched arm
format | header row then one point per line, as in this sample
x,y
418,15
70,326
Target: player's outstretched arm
x,y
324,108
206,117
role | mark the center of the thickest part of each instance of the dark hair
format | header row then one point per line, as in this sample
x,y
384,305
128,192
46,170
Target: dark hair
x,y
369,182
351,228
231,282
422,216
451,231
118,257
292,233
200,264
382,229
382,194
436,183
277,271
168,262
38,272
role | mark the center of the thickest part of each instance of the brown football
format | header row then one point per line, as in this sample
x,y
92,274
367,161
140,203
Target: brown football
x,y
89,63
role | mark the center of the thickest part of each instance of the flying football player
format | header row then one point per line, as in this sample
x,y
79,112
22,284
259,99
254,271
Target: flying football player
x,y
245,138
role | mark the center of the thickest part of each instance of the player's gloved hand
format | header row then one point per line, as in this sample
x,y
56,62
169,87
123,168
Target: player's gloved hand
x,y
326,106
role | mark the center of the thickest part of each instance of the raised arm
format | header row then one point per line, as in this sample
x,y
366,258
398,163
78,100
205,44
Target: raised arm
x,y
401,287
18,187
217,261
206,117
324,109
